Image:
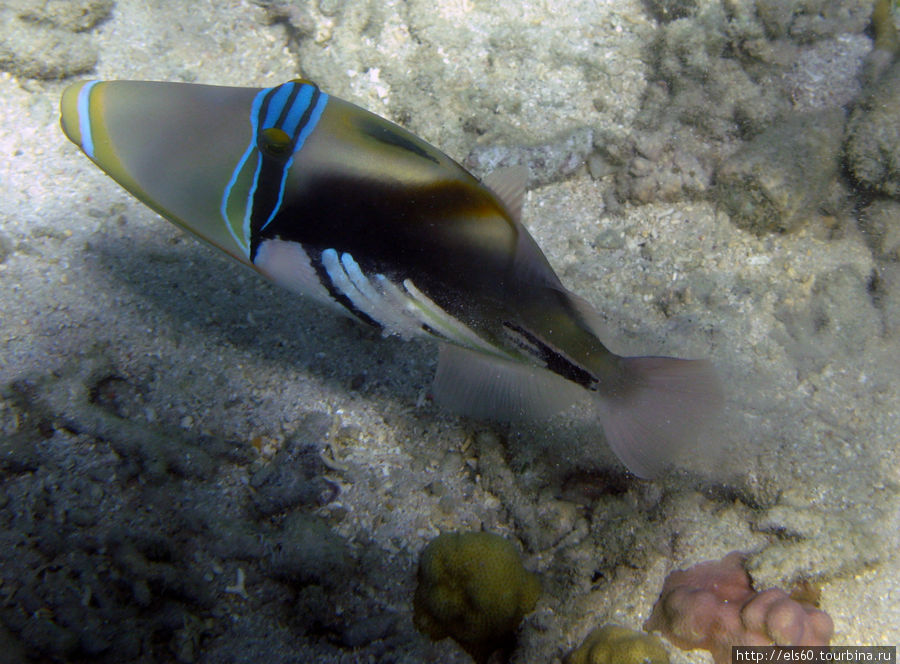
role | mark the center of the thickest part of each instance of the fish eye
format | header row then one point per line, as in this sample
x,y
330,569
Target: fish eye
x,y
274,142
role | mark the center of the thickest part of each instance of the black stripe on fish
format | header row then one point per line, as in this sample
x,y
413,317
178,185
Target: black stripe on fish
x,y
523,343
270,179
552,358
266,196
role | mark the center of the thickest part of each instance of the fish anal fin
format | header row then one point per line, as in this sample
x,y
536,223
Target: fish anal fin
x,y
479,385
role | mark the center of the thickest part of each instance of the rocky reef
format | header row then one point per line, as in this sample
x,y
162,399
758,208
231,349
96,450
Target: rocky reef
x,y
746,107
873,143
779,179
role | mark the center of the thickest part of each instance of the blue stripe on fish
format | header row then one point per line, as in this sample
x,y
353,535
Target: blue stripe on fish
x,y
275,101
294,108
84,119
244,241
297,120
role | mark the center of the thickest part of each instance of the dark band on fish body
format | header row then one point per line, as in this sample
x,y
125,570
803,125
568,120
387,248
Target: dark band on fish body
x,y
417,226
265,196
554,360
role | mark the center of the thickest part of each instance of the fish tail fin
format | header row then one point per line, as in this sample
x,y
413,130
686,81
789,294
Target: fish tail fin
x,y
660,406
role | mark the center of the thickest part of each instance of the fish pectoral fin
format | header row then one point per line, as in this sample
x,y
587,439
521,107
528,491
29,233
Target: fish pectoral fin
x,y
287,264
475,384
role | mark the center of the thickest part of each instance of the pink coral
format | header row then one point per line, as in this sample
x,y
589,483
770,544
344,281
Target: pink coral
x,y
713,606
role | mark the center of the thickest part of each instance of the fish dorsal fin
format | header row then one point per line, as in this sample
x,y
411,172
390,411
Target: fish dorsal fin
x,y
531,266
478,385
508,184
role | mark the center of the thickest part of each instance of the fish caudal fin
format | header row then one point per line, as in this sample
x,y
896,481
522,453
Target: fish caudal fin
x,y
661,407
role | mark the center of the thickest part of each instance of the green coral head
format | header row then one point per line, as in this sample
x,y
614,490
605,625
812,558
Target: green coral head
x,y
473,587
612,644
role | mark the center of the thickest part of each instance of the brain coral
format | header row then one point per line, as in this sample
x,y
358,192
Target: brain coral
x,y
612,644
713,606
472,587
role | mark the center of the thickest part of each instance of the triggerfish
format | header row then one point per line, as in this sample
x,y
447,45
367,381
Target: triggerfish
x,y
331,201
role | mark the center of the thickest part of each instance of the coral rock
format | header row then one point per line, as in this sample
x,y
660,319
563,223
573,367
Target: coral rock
x,y
713,606
781,178
872,151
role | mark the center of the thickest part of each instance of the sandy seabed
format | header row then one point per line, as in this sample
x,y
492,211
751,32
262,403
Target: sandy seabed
x,y
199,467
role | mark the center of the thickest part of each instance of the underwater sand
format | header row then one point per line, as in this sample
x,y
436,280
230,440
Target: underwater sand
x,y
147,383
